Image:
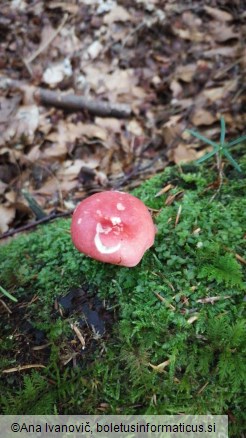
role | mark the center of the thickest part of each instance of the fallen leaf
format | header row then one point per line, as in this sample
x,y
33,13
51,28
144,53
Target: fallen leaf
x,y
56,73
176,88
69,170
109,123
171,129
121,80
8,107
202,117
183,154
34,154
223,32
215,94
7,214
25,123
94,49
117,13
229,52
3,187
189,34
185,72
69,132
135,128
218,14
66,7
55,150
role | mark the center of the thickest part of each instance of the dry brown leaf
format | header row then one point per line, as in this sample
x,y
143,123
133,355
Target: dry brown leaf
x,y
215,94
56,73
121,81
138,92
69,132
171,129
94,49
7,214
176,88
3,187
8,107
203,117
135,128
67,186
34,154
229,52
223,32
189,34
117,13
11,196
65,6
183,154
55,150
24,123
109,123
186,72
218,14
183,103
69,170
49,188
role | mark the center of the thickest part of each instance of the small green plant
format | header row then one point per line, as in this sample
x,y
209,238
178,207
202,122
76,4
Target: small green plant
x,y
7,294
219,149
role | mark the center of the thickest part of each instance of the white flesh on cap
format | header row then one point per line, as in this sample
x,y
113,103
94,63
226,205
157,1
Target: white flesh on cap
x,y
103,249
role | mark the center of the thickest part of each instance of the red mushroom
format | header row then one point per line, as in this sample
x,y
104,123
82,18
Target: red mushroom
x,y
113,227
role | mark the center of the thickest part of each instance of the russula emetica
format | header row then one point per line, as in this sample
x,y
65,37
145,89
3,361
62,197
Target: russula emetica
x,y
113,227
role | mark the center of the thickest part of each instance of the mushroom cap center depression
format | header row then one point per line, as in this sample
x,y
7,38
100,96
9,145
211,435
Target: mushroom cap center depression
x,y
107,238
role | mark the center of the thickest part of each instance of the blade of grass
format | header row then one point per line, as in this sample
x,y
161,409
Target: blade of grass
x,y
238,140
222,132
8,295
206,140
205,157
232,161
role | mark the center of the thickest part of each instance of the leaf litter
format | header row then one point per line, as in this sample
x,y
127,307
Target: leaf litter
x,y
174,65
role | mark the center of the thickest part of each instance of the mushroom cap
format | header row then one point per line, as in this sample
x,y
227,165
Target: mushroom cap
x,y
113,227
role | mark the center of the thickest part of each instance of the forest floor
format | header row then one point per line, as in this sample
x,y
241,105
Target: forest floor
x,y
97,95
132,74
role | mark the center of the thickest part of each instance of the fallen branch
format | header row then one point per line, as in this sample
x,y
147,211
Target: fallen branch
x,y
69,102
31,225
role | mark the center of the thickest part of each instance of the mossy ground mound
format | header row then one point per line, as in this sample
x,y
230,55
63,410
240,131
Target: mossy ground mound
x,y
172,337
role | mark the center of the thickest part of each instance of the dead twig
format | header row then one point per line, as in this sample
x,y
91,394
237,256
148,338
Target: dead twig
x,y
178,215
212,300
26,227
69,102
5,306
46,43
21,368
79,335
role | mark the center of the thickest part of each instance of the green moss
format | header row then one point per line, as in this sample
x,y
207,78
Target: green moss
x,y
161,307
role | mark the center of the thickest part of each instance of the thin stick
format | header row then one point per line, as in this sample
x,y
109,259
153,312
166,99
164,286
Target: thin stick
x,y
45,219
24,367
178,215
46,43
6,307
79,335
